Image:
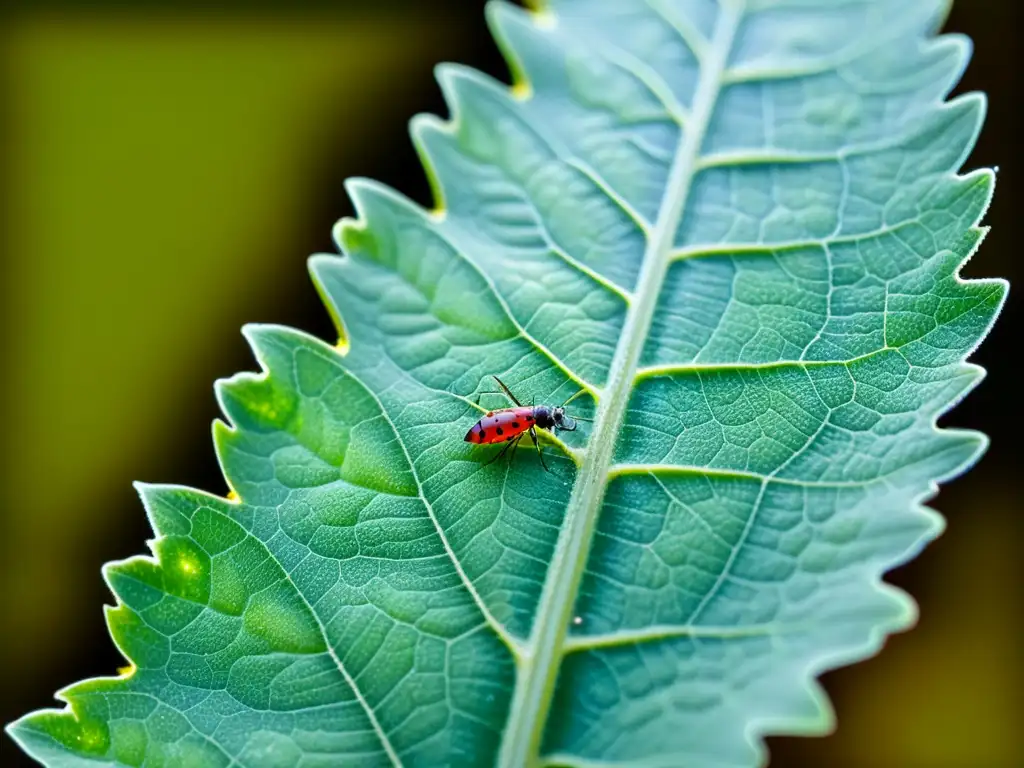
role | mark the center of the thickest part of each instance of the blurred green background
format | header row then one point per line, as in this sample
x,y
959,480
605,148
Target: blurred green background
x,y
165,169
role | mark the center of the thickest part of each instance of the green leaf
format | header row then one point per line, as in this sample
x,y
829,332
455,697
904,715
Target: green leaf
x,y
737,227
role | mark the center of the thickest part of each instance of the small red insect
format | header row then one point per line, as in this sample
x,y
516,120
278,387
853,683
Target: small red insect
x,y
509,425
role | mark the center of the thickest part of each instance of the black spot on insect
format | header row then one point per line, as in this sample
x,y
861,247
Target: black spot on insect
x,y
515,425
483,434
500,432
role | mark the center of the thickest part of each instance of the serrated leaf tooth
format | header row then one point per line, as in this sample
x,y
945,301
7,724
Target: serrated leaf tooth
x,y
429,122
482,111
362,191
964,448
499,12
320,270
368,194
976,235
338,235
938,455
539,14
419,126
275,347
269,340
971,108
260,401
141,644
254,402
317,266
168,506
149,496
429,133
376,201
959,49
800,708
526,44
462,86
306,417
863,621
962,383
371,237
942,138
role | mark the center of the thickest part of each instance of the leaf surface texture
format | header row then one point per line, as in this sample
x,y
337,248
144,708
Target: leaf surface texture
x,y
737,226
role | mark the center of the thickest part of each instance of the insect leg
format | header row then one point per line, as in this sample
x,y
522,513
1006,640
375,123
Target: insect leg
x,y
536,442
498,455
514,444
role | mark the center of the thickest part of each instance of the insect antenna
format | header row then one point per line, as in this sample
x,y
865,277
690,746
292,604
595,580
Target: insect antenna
x,y
462,398
576,418
582,391
506,390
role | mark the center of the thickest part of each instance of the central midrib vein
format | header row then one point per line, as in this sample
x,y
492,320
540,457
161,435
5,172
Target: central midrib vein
x,y
538,668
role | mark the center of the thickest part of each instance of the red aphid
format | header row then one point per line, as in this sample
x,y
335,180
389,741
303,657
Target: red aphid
x,y
508,425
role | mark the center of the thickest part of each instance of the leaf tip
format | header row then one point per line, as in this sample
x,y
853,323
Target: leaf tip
x,y
48,735
22,732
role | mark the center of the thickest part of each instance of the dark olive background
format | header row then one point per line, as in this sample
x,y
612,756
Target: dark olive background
x,y
165,169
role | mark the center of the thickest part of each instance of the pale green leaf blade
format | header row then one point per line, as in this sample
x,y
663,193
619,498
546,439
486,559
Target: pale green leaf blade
x,y
736,227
